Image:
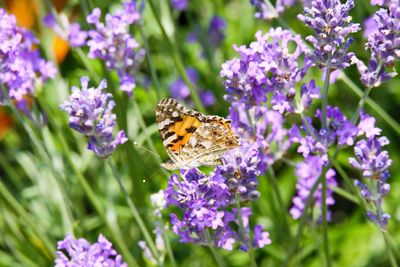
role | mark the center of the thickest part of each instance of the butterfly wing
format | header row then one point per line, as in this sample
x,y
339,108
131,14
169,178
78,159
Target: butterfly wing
x,y
176,126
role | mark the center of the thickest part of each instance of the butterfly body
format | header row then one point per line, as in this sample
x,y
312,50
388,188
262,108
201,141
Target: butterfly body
x,y
191,138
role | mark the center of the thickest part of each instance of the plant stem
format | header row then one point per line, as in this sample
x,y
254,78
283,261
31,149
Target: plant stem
x,y
325,221
360,105
390,250
372,104
178,61
303,220
325,92
218,259
275,187
242,231
169,250
135,213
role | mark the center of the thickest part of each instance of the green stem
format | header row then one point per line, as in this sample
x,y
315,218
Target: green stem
x,y
390,250
26,217
372,104
360,105
303,221
177,60
325,92
272,179
135,213
325,221
169,250
242,231
218,259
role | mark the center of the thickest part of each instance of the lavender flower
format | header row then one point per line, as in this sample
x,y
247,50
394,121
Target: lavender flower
x,y
179,90
180,5
384,45
267,66
68,31
112,43
216,30
308,173
374,163
332,25
79,252
22,69
90,111
207,204
267,11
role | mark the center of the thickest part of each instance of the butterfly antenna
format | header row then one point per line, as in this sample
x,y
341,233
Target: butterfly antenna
x,y
151,176
147,150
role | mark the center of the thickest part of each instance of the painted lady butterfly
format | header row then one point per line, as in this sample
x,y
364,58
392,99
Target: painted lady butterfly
x,y
191,138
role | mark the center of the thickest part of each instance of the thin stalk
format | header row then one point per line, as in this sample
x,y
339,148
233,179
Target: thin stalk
x,y
169,250
390,250
135,213
303,220
282,208
26,217
360,105
325,221
392,123
242,231
178,61
325,92
218,259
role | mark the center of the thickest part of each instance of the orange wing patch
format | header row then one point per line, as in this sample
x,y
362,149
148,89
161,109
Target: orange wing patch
x,y
184,130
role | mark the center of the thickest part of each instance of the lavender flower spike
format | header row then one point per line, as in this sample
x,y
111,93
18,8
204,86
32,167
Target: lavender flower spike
x,y
90,114
73,253
330,21
112,43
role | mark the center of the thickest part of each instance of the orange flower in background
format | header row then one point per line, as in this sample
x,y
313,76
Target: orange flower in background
x,y
6,123
60,49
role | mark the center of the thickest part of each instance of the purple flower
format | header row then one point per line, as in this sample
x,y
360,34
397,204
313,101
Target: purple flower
x,y
374,163
380,2
90,111
266,12
21,67
216,30
79,252
308,173
262,126
267,66
112,43
179,90
331,23
207,203
68,31
180,5
384,45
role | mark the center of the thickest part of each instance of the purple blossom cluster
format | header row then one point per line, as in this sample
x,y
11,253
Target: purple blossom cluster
x,y
314,146
268,66
180,5
70,32
308,173
79,252
90,111
384,45
209,216
113,44
266,11
22,69
331,23
181,91
373,162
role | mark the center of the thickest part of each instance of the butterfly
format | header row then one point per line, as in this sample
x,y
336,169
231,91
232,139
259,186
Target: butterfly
x,y
191,138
